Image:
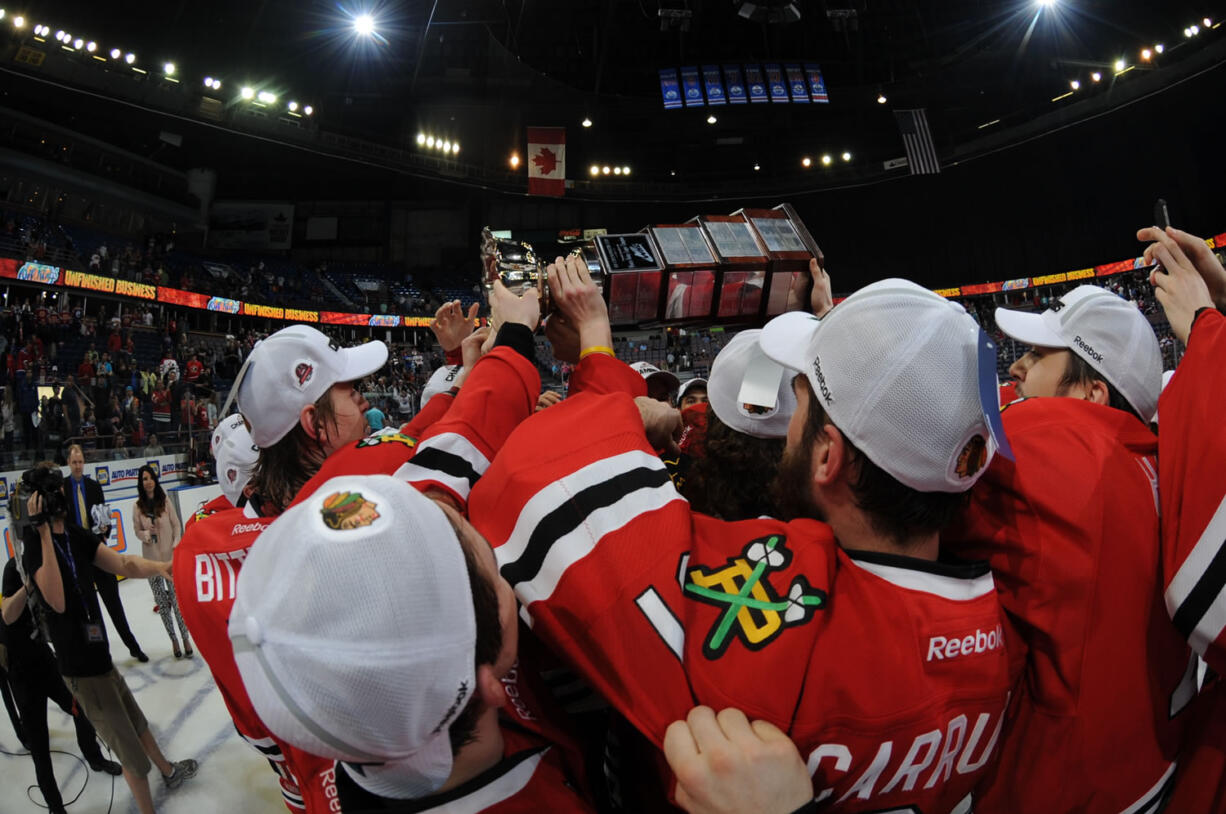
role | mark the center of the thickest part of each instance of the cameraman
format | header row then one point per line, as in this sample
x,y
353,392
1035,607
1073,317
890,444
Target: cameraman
x,y
58,556
35,680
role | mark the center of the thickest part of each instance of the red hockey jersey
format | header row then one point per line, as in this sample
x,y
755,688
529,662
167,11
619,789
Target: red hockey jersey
x,y
218,504
1071,531
207,562
1192,474
889,673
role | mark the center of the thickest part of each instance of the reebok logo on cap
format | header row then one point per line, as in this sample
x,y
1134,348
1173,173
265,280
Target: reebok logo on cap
x,y
1093,354
821,380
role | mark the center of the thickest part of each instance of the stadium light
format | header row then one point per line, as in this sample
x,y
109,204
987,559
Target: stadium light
x,y
881,100
586,122
421,139
1208,23
2,13
364,25
446,146
1159,48
429,142
827,160
455,148
91,46
247,93
757,167
605,170
617,170
19,22
59,35
711,119
1195,29
514,161
116,53
293,107
1075,84
78,44
625,170
130,58
594,170
1045,3
266,97
1119,66
169,69
208,81
806,162
846,156
1096,77
308,110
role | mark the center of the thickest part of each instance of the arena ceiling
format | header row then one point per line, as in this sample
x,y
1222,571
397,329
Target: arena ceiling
x,y
480,71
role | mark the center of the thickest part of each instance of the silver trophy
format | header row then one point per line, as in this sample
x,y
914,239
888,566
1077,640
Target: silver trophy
x,y
517,265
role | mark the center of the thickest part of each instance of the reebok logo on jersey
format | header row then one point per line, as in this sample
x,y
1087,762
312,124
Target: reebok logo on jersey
x,y
247,528
1093,354
944,648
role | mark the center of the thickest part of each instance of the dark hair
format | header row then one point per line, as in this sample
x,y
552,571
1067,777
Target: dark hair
x,y
731,481
894,509
152,506
1078,371
285,467
489,643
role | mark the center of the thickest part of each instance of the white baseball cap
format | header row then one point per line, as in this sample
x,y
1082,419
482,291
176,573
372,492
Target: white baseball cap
x,y
354,631
649,371
440,381
688,384
292,369
728,373
1104,329
235,456
896,367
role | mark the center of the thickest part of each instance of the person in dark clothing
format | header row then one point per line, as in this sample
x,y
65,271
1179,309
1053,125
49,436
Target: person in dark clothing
x,y
83,494
35,679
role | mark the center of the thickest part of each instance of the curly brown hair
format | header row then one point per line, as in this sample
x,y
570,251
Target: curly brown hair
x,y
732,482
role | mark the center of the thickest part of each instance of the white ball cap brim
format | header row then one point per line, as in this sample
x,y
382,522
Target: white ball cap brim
x,y
1029,329
787,337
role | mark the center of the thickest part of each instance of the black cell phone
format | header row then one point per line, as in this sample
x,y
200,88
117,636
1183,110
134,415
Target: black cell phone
x,y
1162,218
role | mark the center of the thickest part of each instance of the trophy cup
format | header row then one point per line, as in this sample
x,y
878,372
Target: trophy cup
x,y
516,264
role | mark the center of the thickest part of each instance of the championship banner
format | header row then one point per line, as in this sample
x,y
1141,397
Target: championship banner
x,y
817,85
736,85
756,83
691,87
797,84
670,88
714,84
546,161
775,81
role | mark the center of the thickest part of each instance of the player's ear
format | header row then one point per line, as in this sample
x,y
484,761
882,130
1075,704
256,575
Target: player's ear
x,y
1096,391
490,687
829,455
308,420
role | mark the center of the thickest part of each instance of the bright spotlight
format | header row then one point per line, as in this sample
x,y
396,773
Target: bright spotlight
x,y
605,170
19,22
116,53
1096,76
91,46
594,170
216,84
455,148
169,69
2,12
364,25
757,167
846,156
1119,65
129,58
586,122
617,170
826,160
711,119
59,35
266,97
806,162
1045,3
208,81
1146,54
308,110
1207,23
429,142
446,146
78,44
1195,30
247,93
881,100
1187,32
421,138
625,170
514,161
1075,85
293,107
1159,48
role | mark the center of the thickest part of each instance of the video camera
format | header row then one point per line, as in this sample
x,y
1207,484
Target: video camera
x,y
47,483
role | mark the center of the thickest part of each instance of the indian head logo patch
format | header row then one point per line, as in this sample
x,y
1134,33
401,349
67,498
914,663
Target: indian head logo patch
x,y
753,611
231,474
303,373
972,457
348,510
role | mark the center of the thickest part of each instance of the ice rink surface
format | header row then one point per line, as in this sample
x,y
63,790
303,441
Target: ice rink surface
x,y
187,717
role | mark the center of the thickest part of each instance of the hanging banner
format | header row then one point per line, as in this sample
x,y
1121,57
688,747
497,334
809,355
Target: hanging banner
x,y
775,81
756,83
736,85
691,86
817,85
670,88
547,161
714,85
797,84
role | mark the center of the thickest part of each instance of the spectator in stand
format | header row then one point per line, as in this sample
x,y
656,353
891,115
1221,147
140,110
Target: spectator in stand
x,y
212,410
161,406
89,431
74,405
114,341
193,369
7,419
375,417
154,447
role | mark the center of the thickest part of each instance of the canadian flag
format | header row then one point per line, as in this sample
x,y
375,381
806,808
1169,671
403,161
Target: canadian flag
x,y
546,160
